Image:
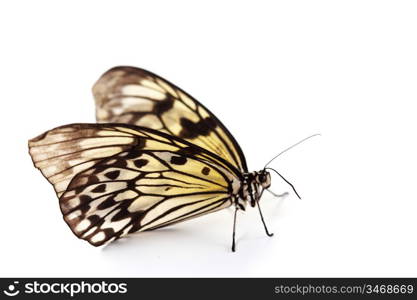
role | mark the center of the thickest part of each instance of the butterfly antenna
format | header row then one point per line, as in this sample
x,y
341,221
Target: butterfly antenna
x,y
283,178
296,144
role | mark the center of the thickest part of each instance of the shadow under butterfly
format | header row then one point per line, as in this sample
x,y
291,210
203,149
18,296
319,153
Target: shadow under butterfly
x,y
156,157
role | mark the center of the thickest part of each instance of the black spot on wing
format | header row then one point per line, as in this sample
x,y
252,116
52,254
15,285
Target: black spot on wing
x,y
109,202
120,163
136,152
112,174
164,105
205,171
178,160
99,189
191,130
141,162
190,151
84,203
121,215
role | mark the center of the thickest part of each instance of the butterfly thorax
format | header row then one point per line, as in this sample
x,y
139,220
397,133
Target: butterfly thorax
x,y
252,187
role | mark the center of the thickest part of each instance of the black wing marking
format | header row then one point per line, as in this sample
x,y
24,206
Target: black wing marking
x,y
136,96
114,179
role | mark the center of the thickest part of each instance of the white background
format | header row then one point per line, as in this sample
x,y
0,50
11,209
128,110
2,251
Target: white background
x,y
274,72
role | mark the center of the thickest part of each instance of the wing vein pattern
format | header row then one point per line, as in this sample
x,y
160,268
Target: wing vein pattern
x,y
114,179
138,97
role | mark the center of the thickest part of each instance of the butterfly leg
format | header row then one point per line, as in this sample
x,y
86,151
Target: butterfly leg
x,y
234,231
263,221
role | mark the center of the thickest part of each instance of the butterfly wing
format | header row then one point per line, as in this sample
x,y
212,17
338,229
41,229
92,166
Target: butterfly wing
x,y
136,96
114,179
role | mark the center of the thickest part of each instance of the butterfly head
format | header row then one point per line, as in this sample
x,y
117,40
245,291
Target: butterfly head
x,y
253,186
263,178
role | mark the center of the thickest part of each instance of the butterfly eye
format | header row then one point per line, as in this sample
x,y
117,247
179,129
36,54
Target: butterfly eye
x,y
264,179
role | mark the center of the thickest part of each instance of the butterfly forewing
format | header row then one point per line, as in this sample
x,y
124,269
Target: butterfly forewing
x,y
138,97
114,179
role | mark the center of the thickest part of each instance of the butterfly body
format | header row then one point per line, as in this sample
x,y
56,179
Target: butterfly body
x,y
157,157
252,187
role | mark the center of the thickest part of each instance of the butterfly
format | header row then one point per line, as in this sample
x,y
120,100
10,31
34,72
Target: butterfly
x,y
156,157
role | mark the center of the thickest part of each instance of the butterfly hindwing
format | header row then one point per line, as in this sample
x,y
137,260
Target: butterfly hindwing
x,y
114,179
135,96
